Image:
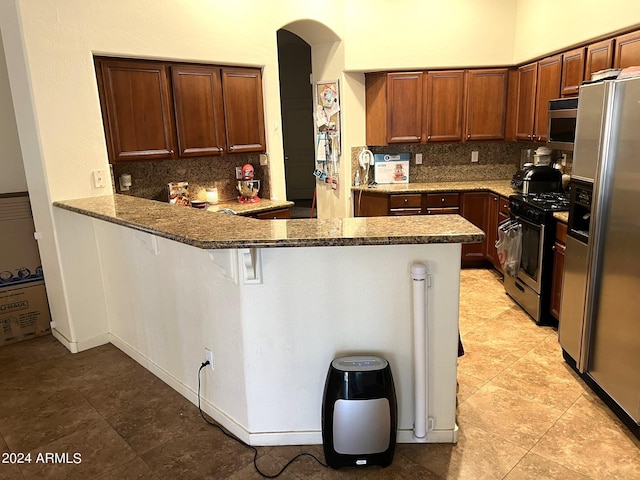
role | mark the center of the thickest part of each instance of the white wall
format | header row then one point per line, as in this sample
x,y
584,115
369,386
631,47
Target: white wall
x,y
12,178
383,35
543,26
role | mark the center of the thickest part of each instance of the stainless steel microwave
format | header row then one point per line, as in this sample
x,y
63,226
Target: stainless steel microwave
x,y
563,113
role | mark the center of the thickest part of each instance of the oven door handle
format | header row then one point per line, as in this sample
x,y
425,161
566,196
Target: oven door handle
x,y
518,218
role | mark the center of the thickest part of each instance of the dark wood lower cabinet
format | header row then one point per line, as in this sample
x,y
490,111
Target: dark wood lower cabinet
x,y
475,206
484,209
278,213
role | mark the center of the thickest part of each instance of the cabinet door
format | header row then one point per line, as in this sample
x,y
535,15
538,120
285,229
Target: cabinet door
x,y
599,57
548,88
486,104
376,108
526,101
572,72
197,96
368,204
475,208
243,110
627,50
443,106
137,106
404,107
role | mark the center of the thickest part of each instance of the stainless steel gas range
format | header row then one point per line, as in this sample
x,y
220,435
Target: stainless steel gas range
x,y
531,287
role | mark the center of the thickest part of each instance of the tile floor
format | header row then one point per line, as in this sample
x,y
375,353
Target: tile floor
x,y
523,414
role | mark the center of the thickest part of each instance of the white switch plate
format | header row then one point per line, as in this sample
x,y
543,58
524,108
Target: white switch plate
x,y
474,156
264,159
418,159
99,178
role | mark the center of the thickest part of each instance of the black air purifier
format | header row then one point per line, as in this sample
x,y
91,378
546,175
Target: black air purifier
x,y
359,412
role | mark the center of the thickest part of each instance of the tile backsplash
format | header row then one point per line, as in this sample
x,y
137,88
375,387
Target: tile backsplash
x,y
149,179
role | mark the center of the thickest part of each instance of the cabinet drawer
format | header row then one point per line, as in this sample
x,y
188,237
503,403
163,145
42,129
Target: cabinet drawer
x,y
561,232
274,214
443,211
436,200
504,205
403,201
405,211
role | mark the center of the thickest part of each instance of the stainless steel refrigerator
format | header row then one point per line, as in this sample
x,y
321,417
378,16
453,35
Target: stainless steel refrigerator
x,y
599,328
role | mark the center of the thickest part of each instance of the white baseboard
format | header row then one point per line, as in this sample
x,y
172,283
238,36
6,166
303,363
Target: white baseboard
x,y
75,347
71,346
260,438
219,416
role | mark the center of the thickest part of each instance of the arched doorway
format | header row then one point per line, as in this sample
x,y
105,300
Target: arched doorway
x,y
296,103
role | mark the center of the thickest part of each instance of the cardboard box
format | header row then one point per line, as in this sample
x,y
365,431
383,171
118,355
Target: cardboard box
x,y
19,257
391,168
24,313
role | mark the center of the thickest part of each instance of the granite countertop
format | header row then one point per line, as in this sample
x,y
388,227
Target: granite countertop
x,y
499,187
263,205
561,216
207,230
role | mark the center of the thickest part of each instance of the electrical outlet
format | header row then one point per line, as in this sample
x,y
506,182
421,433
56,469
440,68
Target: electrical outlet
x,y
264,159
564,159
99,178
418,159
208,355
474,156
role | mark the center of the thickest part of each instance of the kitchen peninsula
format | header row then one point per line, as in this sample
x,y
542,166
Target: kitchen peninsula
x,y
275,301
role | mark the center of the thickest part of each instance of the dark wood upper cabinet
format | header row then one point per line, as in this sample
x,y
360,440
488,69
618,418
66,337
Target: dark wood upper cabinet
x,y
549,73
572,72
443,106
538,83
599,57
526,101
404,107
158,110
243,110
137,110
486,104
627,50
197,96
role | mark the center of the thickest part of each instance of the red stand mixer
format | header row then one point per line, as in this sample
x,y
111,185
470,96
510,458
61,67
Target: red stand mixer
x,y
248,186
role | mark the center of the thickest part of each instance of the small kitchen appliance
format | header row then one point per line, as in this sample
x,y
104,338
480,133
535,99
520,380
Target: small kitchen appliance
x,y
359,412
248,187
537,179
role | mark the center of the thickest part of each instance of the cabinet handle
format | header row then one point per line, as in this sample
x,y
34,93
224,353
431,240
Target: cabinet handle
x,y
428,138
172,151
406,200
442,200
469,136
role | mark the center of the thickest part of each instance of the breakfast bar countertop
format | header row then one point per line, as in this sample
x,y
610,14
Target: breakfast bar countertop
x,y
499,187
208,230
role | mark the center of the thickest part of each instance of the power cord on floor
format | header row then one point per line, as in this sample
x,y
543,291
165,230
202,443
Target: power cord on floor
x,y
255,450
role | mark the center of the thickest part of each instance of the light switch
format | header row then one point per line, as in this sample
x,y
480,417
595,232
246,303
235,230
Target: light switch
x,y
474,156
418,159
